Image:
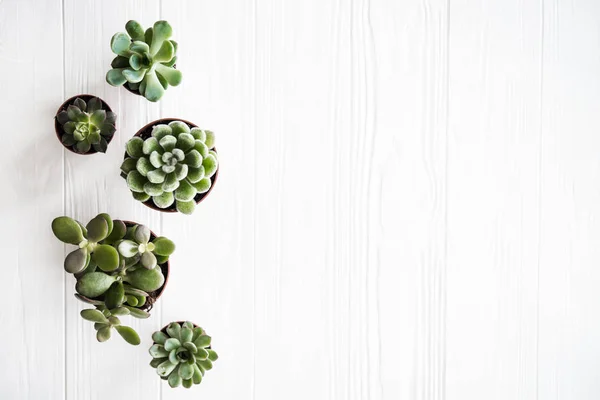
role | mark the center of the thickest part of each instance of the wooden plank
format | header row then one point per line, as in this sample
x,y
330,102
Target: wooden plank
x,y
93,185
493,199
570,205
33,313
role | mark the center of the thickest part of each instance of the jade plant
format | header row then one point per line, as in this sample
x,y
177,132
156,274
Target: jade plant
x,y
181,354
145,60
86,126
171,166
110,276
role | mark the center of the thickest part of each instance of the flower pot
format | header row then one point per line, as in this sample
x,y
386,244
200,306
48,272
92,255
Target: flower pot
x,y
153,296
59,129
145,133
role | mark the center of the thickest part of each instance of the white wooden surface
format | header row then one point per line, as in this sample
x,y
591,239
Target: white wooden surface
x,y
408,204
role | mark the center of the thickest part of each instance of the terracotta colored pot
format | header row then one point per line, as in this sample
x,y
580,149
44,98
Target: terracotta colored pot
x,y
144,133
63,107
165,268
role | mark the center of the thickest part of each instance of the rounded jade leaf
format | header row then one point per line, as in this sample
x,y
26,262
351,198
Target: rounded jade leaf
x,y
93,315
117,233
142,234
115,295
76,261
67,230
103,334
147,280
163,246
148,260
97,229
106,257
129,334
128,248
94,284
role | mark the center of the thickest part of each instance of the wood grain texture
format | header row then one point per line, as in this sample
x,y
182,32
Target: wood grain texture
x,y
407,204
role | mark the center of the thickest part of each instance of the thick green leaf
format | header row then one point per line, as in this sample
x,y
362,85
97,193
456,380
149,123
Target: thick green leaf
x,y
165,368
186,334
193,159
153,189
164,200
94,104
94,137
210,139
135,146
137,313
108,129
69,127
210,165
142,234
109,221
212,355
88,301
119,62
181,171
151,145
131,300
173,356
168,143
178,127
197,377
111,118
148,260
185,191
119,44
157,361
186,371
120,311
159,337
185,142
115,77
174,330
67,140
128,165
136,181
161,31
205,364
187,383
106,257
114,321
103,334
147,280
141,196
197,332
75,114
198,134
203,185
97,229
174,380
165,53
154,90
67,230
186,207
135,30
140,47
156,157
144,166
171,75
195,174
202,341
191,347
115,295
76,261
117,233
129,334
134,76
101,146
156,176
134,291
172,344
128,248
161,130
79,103
93,315
98,118
158,351
171,183
62,117
163,246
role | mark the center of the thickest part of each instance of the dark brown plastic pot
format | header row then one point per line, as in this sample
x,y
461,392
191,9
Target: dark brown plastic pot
x,y
58,127
165,268
144,133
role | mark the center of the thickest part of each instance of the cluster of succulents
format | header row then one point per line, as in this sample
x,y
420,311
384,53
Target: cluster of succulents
x,y
111,274
181,354
86,125
145,59
171,166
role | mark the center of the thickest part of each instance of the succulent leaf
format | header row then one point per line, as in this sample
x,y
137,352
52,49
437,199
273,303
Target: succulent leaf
x,y
158,351
94,284
210,139
114,295
159,337
141,234
76,261
137,313
97,229
135,30
164,200
136,181
172,344
178,127
134,147
186,207
147,280
163,246
103,334
115,77
203,185
93,315
148,260
67,230
165,368
129,334
128,248
174,329
117,232
106,257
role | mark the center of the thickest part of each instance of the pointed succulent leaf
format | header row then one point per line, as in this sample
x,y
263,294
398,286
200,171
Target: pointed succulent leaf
x,y
111,117
107,129
148,260
210,139
202,341
117,233
147,280
134,147
94,138
75,114
161,130
98,117
136,181
101,146
97,229
156,176
135,30
106,257
171,75
119,62
67,140
201,354
115,295
174,380
178,127
185,207
128,248
67,230
161,31
137,313
142,234
197,332
203,185
62,117
165,368
154,90
174,329
164,200
129,334
172,344
103,334
76,261
93,315
186,371
165,53
163,246
69,127
158,351
83,147
159,337
115,77
188,324
168,143
186,334
94,104
194,159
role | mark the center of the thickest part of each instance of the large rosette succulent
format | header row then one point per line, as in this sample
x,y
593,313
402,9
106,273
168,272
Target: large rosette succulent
x,y
171,166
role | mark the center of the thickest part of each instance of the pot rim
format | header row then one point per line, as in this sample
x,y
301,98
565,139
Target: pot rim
x,y
58,128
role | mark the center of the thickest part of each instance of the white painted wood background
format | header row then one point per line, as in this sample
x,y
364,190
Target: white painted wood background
x,y
408,204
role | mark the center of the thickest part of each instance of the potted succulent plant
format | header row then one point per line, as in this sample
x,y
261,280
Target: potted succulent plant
x,y
181,354
171,165
85,124
121,269
145,62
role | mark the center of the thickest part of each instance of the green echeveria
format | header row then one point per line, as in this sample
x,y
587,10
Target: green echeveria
x,y
116,282
87,126
145,59
171,166
182,354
